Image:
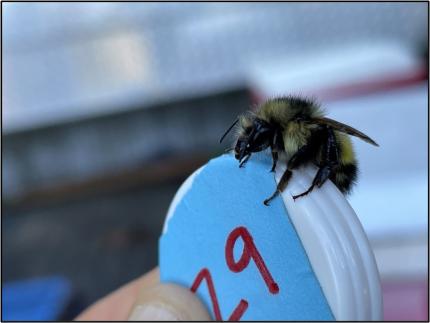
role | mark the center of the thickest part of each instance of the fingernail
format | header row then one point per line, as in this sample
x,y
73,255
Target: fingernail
x,y
168,302
153,312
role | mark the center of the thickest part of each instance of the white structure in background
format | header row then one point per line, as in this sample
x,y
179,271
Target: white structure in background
x,y
391,197
66,62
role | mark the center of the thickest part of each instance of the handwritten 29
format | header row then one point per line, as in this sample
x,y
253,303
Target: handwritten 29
x,y
249,251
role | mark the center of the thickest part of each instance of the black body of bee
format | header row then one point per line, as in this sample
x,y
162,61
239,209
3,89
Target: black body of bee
x,y
297,128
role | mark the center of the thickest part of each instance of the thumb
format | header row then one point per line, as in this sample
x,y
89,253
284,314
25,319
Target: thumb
x,y
168,302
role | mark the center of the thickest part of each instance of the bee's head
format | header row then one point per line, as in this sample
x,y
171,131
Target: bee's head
x,y
256,137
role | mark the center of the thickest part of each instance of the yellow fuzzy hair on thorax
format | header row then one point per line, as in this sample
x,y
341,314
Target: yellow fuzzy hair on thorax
x,y
295,135
275,112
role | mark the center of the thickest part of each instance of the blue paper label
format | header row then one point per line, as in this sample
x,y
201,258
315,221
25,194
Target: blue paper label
x,y
242,258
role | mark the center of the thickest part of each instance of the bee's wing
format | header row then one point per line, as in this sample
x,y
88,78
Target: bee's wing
x,y
343,128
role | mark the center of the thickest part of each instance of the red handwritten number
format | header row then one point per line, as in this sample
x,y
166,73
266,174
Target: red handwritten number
x,y
249,251
205,274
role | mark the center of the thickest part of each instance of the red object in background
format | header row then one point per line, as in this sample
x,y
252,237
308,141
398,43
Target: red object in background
x,y
405,301
354,89
396,81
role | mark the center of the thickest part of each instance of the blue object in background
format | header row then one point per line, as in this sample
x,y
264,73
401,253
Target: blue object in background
x,y
40,299
222,198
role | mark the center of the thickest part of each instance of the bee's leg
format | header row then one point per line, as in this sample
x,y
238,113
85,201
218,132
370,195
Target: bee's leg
x,y
229,149
275,146
275,160
281,185
297,159
322,175
331,161
244,161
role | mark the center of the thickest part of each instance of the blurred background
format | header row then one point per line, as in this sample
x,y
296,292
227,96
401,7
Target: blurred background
x,y
108,107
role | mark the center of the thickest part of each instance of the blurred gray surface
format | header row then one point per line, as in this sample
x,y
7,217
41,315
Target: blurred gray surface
x,y
80,151
98,243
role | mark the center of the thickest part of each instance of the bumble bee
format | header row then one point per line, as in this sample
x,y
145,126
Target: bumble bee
x,y
297,128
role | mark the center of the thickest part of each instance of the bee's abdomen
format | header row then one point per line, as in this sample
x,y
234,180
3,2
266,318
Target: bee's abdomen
x,y
345,149
345,174
345,177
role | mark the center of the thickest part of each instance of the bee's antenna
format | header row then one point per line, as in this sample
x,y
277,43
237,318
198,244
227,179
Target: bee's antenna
x,y
228,130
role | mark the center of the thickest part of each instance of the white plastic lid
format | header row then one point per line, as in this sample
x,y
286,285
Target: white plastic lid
x,y
336,245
